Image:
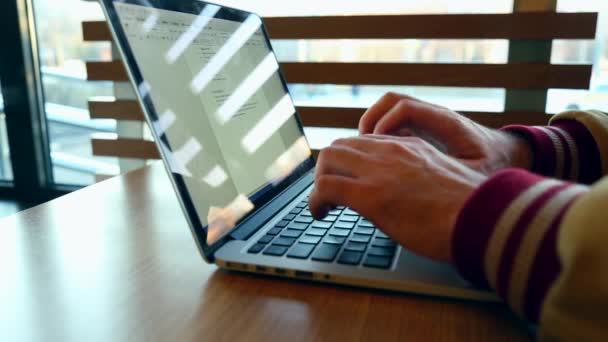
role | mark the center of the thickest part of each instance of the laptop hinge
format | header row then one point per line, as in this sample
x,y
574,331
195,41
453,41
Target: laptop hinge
x,y
257,220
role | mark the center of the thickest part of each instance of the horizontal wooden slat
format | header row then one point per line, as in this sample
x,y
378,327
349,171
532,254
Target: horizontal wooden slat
x,y
349,117
512,76
457,26
106,71
125,148
117,109
330,117
101,177
96,31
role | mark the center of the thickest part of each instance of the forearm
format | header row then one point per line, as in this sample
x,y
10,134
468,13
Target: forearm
x,y
505,236
541,244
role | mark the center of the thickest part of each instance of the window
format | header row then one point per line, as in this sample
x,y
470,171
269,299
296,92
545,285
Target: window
x,y
62,52
591,52
6,170
66,90
406,51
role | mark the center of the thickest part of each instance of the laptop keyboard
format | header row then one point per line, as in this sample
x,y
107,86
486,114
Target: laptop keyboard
x,y
343,236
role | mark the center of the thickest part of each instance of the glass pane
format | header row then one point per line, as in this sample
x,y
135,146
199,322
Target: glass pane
x,y
62,55
6,170
341,7
386,51
583,52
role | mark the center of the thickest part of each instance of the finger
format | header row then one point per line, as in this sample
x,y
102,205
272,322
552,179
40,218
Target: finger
x,y
423,119
341,160
375,112
334,190
413,136
363,143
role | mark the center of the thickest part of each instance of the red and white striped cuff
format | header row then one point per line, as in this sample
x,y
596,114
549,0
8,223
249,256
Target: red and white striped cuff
x,y
564,150
506,236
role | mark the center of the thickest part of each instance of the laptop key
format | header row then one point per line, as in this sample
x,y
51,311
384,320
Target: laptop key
x,y
350,258
383,243
301,251
365,223
304,219
344,225
325,252
310,239
381,235
355,246
256,248
283,241
365,230
377,261
321,224
330,218
295,211
349,218
275,250
274,231
297,225
335,211
306,212
381,251
266,239
351,212
334,240
360,238
289,217
291,233
302,204
316,231
282,224
339,232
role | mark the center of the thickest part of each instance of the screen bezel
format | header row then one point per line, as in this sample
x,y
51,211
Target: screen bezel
x,y
266,193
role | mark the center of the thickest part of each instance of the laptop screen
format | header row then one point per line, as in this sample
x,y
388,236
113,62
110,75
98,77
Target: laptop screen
x,y
223,119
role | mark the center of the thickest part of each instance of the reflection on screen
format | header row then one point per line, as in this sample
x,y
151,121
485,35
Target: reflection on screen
x,y
221,106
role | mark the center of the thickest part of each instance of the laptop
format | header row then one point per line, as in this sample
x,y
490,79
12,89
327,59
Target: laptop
x,y
236,154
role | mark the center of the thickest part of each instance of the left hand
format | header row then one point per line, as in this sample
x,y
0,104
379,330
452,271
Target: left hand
x,y
405,186
481,148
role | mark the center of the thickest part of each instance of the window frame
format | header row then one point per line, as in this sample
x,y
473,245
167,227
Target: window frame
x,y
26,122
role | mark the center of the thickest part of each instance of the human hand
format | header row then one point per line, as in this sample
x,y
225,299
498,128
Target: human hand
x,y
404,185
483,149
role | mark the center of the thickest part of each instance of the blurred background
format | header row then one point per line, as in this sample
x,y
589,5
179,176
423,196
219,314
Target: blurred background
x,y
62,52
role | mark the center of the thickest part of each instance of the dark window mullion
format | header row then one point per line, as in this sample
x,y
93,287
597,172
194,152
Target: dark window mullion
x,y
23,101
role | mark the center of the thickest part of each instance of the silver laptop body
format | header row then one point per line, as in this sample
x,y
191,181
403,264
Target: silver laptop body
x,y
232,142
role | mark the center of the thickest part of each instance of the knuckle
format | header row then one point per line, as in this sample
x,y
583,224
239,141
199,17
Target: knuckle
x,y
340,142
392,95
404,104
394,146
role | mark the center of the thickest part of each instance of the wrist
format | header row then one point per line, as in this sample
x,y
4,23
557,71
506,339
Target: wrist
x,y
510,150
521,155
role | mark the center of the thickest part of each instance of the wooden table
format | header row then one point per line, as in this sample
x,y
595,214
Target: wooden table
x,y
116,261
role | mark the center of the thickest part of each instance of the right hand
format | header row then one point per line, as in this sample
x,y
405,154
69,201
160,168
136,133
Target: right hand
x,y
481,148
405,186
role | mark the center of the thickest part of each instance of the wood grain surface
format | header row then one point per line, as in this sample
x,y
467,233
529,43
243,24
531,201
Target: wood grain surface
x,y
116,262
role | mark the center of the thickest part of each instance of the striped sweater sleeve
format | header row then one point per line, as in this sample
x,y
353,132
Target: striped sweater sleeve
x,y
506,234
566,150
